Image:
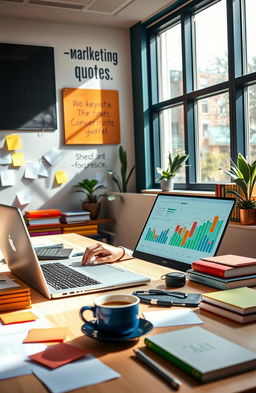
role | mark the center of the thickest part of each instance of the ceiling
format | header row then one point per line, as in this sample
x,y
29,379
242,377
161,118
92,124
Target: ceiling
x,y
109,13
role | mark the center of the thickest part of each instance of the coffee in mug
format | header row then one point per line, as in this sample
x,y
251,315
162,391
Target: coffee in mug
x,y
116,314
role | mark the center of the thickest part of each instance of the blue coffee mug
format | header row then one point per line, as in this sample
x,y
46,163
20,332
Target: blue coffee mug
x,y
114,314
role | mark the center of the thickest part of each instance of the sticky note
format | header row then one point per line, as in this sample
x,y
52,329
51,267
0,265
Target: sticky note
x,y
58,355
32,169
46,335
13,142
52,156
18,317
61,177
18,159
7,178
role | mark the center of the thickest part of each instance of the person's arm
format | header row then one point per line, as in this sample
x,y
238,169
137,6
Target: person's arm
x,y
104,253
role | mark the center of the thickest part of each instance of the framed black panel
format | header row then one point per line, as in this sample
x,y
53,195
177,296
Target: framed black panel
x,y
27,93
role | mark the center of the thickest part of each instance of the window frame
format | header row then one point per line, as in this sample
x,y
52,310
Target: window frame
x,y
147,67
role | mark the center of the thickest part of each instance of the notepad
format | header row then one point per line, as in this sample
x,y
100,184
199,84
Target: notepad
x,y
46,335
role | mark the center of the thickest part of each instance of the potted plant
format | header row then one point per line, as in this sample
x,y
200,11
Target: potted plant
x,y
243,174
175,164
90,188
122,180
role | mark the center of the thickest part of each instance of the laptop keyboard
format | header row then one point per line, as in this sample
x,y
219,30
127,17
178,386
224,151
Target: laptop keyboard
x,y
53,253
62,277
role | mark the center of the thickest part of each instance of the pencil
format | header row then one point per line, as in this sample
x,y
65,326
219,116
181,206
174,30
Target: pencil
x,y
174,382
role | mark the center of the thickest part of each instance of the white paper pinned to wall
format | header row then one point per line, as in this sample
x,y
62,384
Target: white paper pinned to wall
x,y
43,171
24,197
7,177
32,169
5,158
52,156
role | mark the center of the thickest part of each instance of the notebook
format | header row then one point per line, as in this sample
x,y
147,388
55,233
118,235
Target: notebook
x,y
22,261
182,229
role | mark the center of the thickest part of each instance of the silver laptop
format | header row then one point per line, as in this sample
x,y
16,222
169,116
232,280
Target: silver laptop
x,y
72,278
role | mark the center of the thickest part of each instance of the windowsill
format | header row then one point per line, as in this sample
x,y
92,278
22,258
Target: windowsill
x,y
179,192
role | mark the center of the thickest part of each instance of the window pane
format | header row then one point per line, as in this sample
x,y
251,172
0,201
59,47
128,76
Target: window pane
x,y
251,91
250,12
213,139
211,45
172,137
170,63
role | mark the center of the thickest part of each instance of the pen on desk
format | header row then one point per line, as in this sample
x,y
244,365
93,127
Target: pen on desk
x,y
2,279
175,383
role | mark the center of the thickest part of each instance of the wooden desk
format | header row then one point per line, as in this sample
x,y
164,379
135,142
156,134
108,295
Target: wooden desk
x,y
135,377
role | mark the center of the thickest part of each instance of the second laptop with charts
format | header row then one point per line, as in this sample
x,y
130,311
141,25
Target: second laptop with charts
x,y
55,279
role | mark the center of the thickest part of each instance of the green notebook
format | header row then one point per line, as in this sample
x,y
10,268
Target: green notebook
x,y
201,353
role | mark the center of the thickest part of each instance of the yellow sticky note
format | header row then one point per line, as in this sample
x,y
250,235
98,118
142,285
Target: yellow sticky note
x,y
13,142
61,177
18,159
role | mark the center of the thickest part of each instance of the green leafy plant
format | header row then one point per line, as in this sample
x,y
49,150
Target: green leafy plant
x,y
175,164
90,189
243,174
122,179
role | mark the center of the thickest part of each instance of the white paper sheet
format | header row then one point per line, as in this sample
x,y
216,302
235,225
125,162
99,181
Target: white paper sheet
x,y
43,171
85,372
24,197
6,282
172,317
12,367
32,169
52,156
7,177
5,158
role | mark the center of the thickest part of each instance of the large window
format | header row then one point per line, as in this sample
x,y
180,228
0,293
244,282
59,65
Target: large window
x,y
201,75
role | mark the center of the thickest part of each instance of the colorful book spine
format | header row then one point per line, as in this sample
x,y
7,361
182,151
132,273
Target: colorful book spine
x,y
44,233
221,190
43,213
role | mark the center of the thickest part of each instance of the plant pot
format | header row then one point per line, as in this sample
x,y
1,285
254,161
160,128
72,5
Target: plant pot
x,y
248,216
93,208
166,184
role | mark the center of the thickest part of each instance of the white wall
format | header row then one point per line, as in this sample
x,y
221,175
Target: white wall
x,y
62,37
131,212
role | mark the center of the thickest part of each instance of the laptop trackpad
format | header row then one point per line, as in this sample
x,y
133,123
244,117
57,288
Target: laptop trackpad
x,y
100,271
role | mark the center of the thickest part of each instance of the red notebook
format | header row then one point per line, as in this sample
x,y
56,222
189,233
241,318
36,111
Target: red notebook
x,y
42,213
231,260
217,269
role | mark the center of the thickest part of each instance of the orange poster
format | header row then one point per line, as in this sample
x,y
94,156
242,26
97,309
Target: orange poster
x,y
91,116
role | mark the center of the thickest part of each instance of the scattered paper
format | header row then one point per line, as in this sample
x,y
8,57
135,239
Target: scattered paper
x,y
6,282
5,158
46,335
24,197
61,177
32,169
43,171
18,317
13,142
18,159
75,375
172,317
52,156
7,177
13,367
58,355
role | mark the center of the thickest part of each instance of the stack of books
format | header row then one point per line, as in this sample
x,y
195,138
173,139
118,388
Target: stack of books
x,y
224,271
37,218
74,217
15,298
237,304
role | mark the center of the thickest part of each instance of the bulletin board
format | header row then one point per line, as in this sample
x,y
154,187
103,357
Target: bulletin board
x,y
91,116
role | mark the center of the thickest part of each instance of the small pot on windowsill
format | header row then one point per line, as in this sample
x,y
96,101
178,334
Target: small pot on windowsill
x,y
166,184
248,216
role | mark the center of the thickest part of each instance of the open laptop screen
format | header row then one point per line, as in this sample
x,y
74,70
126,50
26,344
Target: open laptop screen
x,y
182,229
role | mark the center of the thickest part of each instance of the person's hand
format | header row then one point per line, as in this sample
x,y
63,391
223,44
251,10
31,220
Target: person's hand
x,y
103,253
